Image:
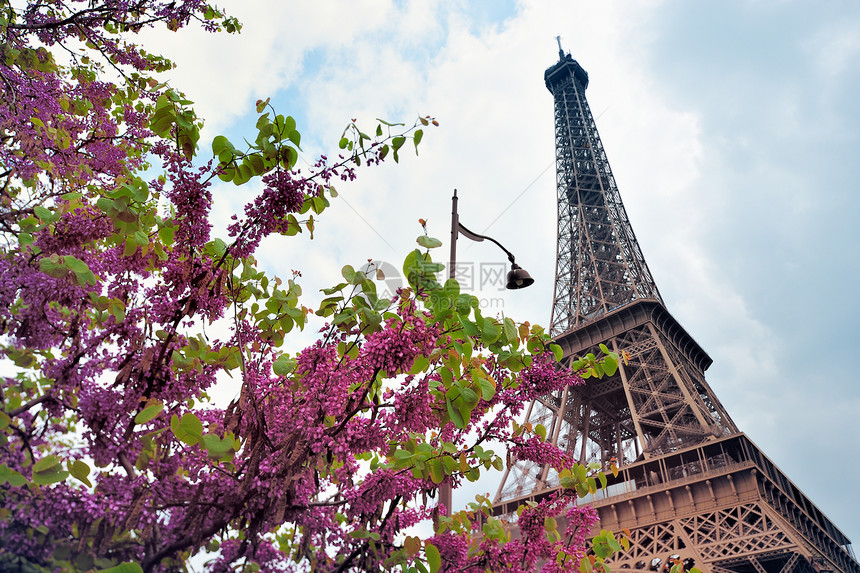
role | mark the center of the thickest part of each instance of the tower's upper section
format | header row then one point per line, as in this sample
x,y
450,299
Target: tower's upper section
x,y
566,68
599,266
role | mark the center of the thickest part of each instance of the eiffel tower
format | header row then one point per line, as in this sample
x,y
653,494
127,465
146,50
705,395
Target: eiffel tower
x,y
690,486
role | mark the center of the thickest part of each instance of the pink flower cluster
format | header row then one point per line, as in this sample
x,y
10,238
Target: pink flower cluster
x,y
394,349
536,450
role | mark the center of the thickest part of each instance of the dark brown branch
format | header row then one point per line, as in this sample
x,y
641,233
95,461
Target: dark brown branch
x,y
360,405
150,562
348,561
34,402
73,19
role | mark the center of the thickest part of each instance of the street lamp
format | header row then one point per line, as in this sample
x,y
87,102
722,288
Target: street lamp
x,y
517,278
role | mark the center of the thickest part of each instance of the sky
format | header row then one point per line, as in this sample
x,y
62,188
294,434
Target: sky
x,y
731,128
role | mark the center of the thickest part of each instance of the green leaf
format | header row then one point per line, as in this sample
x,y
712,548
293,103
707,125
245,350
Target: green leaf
x,y
334,289
469,327
434,559
218,448
470,397
289,125
348,273
7,474
139,190
388,123
465,412
437,472
402,455
429,267
54,474
490,331
83,274
42,213
557,352
53,267
22,358
117,309
220,144
128,567
488,388
416,138
255,161
510,329
428,242
585,566
227,174
610,365
148,413
410,265
455,415
188,430
420,364
80,470
45,463
344,317
284,365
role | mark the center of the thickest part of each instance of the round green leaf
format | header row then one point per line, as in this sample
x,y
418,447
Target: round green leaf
x,y
45,463
188,429
80,471
283,365
428,242
434,559
53,475
149,413
123,568
7,474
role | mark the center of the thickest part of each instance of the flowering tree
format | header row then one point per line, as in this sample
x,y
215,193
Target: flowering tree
x,y
114,457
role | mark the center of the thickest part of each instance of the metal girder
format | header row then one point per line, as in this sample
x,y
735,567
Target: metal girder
x,y
599,265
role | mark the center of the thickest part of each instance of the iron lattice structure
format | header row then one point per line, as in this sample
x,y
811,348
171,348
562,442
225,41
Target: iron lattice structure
x,y
599,266
690,484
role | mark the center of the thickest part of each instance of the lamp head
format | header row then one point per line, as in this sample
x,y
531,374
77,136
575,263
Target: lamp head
x,y
518,278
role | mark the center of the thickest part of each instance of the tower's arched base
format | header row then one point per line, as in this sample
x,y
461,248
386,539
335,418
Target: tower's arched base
x,y
723,504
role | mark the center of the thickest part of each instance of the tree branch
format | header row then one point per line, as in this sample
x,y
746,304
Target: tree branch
x,y
34,402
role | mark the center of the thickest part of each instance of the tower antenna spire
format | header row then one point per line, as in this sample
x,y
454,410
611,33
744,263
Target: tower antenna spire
x,y
560,50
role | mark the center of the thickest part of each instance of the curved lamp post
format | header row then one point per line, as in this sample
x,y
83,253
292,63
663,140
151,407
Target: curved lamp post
x,y
517,278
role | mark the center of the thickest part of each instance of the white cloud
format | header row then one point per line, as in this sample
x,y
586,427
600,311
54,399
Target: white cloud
x,y
836,47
